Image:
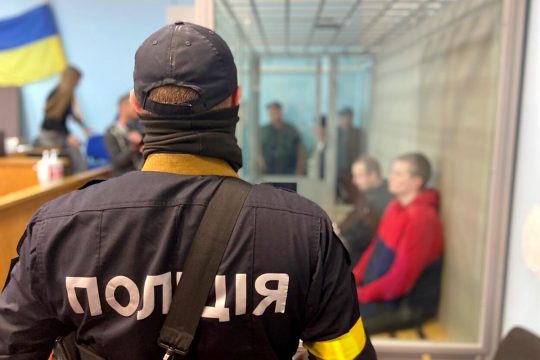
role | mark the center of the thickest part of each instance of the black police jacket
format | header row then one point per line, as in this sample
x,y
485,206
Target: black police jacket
x,y
105,261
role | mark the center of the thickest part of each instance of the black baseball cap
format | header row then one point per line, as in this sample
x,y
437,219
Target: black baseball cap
x,y
189,55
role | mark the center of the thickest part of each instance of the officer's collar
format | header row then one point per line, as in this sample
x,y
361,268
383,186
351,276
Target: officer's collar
x,y
186,164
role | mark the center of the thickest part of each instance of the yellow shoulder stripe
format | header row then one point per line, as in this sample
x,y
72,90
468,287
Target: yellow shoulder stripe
x,y
186,164
345,347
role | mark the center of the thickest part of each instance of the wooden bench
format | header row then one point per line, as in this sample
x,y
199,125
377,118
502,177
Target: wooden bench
x,y
430,330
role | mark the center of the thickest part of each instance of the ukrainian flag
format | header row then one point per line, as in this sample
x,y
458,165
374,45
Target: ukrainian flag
x,y
30,47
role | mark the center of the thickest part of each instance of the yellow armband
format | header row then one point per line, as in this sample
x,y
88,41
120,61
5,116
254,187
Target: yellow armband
x,y
346,347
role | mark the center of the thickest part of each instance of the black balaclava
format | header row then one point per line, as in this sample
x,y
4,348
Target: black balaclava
x,y
210,133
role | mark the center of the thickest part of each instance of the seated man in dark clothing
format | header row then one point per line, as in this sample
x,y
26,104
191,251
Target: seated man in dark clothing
x,y
398,276
360,225
123,140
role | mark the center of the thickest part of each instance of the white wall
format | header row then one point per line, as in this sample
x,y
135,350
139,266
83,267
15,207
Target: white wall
x,y
522,304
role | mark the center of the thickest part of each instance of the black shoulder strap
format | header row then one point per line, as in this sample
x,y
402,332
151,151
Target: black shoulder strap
x,y
202,265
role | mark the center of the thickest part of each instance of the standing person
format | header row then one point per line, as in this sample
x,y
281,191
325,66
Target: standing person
x,y
399,275
351,144
59,107
122,141
360,225
283,152
316,161
103,261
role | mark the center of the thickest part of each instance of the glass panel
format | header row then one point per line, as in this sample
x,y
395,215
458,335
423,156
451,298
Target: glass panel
x,y
352,100
242,55
435,93
402,160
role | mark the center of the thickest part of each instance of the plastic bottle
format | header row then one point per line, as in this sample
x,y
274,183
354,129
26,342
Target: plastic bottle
x,y
56,168
43,172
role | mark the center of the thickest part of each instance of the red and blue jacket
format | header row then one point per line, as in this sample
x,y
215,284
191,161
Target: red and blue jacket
x,y
404,260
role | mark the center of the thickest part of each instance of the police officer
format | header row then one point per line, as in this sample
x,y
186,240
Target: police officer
x,y
104,260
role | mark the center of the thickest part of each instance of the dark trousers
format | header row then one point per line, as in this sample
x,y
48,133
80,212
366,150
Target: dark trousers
x,y
382,316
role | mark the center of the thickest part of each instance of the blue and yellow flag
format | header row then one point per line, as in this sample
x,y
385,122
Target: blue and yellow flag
x,y
30,47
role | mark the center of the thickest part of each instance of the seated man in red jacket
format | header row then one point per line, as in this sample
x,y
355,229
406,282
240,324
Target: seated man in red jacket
x,y
398,277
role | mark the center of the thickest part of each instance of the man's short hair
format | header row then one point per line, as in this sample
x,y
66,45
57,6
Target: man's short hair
x,y
347,111
274,104
371,164
420,166
174,95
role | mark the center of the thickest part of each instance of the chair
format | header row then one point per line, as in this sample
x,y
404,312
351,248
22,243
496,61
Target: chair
x,y
519,344
96,152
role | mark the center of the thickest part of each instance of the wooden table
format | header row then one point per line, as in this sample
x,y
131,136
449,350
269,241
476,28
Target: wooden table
x,y
17,208
17,172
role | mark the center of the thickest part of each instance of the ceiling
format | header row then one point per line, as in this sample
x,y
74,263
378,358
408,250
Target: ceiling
x,y
325,26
